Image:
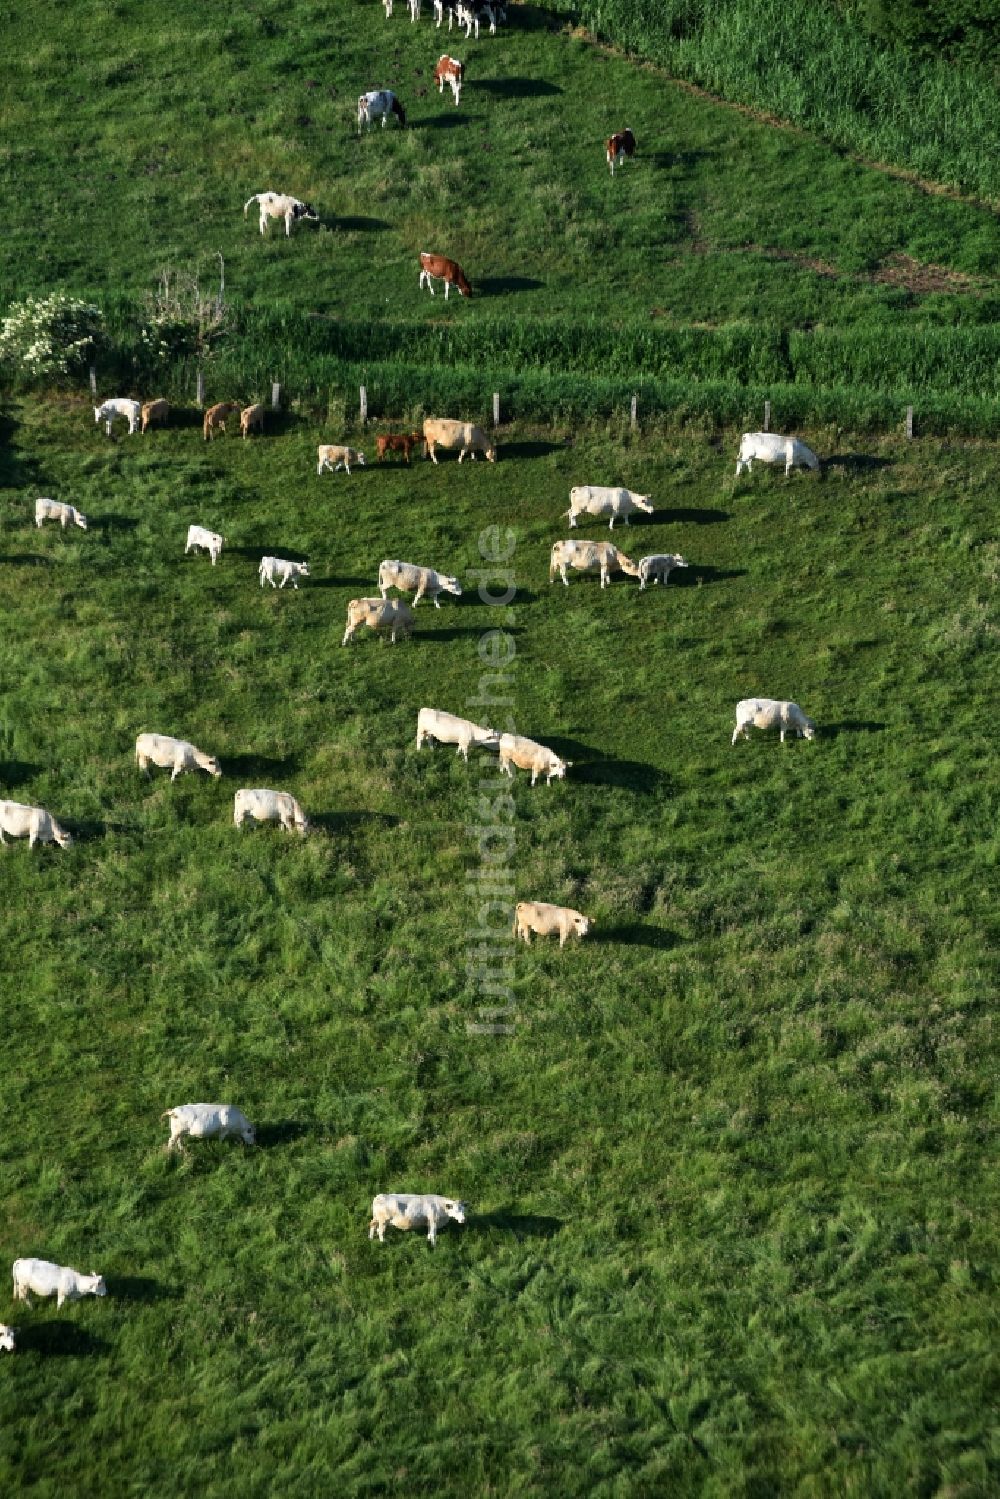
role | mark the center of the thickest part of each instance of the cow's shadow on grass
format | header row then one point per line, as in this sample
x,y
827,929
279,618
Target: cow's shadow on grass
x,y
247,766
141,1288
14,773
358,225
515,88
457,117
855,463
592,767
91,829
26,559
255,553
189,416
686,517
360,583
682,159
634,934
112,523
341,823
449,632
59,1340
699,574
15,471
521,1225
504,286
530,449
850,726
281,1132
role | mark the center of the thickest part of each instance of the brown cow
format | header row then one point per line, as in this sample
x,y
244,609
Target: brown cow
x,y
397,442
440,268
215,417
154,411
618,146
448,70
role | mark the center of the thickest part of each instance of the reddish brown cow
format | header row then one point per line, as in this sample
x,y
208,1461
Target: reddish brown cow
x,y
448,70
618,146
440,268
397,442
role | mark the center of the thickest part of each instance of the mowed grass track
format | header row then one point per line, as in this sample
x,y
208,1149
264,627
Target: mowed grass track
x,y
156,132
731,1174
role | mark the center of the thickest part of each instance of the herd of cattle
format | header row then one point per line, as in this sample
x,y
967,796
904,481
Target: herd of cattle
x,y
395,618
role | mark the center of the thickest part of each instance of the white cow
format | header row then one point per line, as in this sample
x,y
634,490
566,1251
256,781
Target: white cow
x,y
408,577
447,728
46,509
589,557
657,567
280,206
270,806
279,567
772,713
379,104
442,432
379,615
43,1278
174,755
333,456
7,1338
603,499
408,1210
768,447
538,916
33,823
201,540
207,1121
526,754
119,406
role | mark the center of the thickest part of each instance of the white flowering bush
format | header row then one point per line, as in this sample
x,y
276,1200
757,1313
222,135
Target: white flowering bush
x,y
53,335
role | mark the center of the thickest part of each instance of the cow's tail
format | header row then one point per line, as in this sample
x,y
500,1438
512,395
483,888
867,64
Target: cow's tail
x,y
254,199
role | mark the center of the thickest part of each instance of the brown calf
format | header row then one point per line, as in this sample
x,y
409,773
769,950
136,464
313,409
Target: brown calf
x,y
448,70
251,420
154,411
617,147
397,442
215,417
440,268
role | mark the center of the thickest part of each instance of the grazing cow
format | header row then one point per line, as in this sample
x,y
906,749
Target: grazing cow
x,y
174,755
251,420
397,442
332,456
447,728
270,806
440,268
527,754
33,823
119,406
201,540
280,206
768,447
448,70
207,1121
43,1278
7,1338
379,104
602,499
279,567
155,411
657,567
380,615
441,432
409,578
408,1210
589,557
538,916
46,509
216,417
617,147
414,6
772,713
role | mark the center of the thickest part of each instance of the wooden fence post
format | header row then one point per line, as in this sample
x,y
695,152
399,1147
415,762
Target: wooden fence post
x,y
496,408
909,421
275,396
93,381
635,409
767,416
364,404
200,388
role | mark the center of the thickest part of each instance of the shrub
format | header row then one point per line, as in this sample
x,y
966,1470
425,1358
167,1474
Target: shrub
x,y
50,336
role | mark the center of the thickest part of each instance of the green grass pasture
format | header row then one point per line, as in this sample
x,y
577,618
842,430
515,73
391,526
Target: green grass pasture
x,y
731,1171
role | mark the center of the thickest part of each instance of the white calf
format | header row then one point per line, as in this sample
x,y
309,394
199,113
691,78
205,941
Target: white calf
x,y
280,206
270,806
538,916
43,1278
380,615
119,406
331,456
658,567
279,567
406,1210
200,540
33,823
409,577
448,728
772,713
7,1339
207,1121
768,447
174,755
46,509
528,754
